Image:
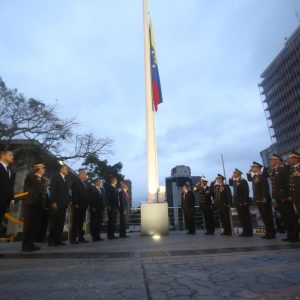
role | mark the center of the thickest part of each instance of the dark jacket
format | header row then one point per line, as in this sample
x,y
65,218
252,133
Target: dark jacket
x,y
260,186
112,197
36,186
240,191
205,197
59,193
280,181
124,202
6,186
294,188
80,193
222,195
97,198
188,201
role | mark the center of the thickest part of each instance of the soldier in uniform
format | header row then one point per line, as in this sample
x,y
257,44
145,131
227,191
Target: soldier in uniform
x,y
33,205
262,198
279,175
241,199
222,200
206,206
294,193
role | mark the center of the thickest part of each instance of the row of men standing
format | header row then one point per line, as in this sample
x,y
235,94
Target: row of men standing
x,y
46,204
285,183
84,196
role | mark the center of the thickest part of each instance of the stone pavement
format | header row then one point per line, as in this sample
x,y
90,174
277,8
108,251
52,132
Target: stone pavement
x,y
177,266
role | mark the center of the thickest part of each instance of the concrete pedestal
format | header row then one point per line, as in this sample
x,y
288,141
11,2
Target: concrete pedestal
x,y
154,218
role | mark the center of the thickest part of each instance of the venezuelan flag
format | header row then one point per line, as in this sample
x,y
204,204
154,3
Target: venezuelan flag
x,y
156,88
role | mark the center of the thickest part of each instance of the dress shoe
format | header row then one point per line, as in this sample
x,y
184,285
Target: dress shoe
x,y
83,241
74,242
61,244
110,238
52,245
35,248
27,249
101,239
264,236
123,236
286,239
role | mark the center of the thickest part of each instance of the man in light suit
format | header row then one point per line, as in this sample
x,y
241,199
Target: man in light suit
x,y
6,183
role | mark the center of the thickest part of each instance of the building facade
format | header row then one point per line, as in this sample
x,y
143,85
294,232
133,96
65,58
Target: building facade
x,y
280,90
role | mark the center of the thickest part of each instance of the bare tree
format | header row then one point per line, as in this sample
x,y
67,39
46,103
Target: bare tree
x,y
34,120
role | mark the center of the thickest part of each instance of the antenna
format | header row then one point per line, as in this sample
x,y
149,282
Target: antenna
x,y
297,17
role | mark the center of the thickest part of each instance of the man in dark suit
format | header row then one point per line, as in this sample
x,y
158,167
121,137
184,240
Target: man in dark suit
x,y
262,198
36,187
113,205
124,209
279,174
294,191
188,207
59,200
6,183
241,200
97,209
222,200
206,206
80,202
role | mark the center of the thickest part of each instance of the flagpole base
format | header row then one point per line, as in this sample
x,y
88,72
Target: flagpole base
x,y
154,219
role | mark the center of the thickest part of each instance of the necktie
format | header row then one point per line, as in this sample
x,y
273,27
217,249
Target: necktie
x,y
8,171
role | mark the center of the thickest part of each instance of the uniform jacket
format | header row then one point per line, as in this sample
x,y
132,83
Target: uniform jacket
x,y
205,197
240,191
260,187
36,186
280,181
294,183
222,195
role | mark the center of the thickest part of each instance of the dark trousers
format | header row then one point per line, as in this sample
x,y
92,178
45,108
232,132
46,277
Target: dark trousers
x,y
3,208
266,213
224,213
189,219
43,226
96,220
123,223
208,215
32,216
57,222
245,218
78,217
111,224
288,215
296,229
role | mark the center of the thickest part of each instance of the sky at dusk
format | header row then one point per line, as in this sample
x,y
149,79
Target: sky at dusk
x,y
89,57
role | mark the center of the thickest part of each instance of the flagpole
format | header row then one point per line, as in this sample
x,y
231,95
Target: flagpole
x,y
152,170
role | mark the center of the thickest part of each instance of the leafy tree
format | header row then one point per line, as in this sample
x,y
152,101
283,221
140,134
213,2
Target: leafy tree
x,y
100,168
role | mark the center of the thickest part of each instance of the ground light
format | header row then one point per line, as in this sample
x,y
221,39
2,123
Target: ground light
x,y
156,237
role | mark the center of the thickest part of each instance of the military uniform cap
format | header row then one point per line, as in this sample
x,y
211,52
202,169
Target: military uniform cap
x,y
237,171
203,178
256,164
276,156
294,154
220,176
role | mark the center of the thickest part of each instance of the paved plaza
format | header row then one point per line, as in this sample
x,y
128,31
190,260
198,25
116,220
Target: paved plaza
x,y
177,266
